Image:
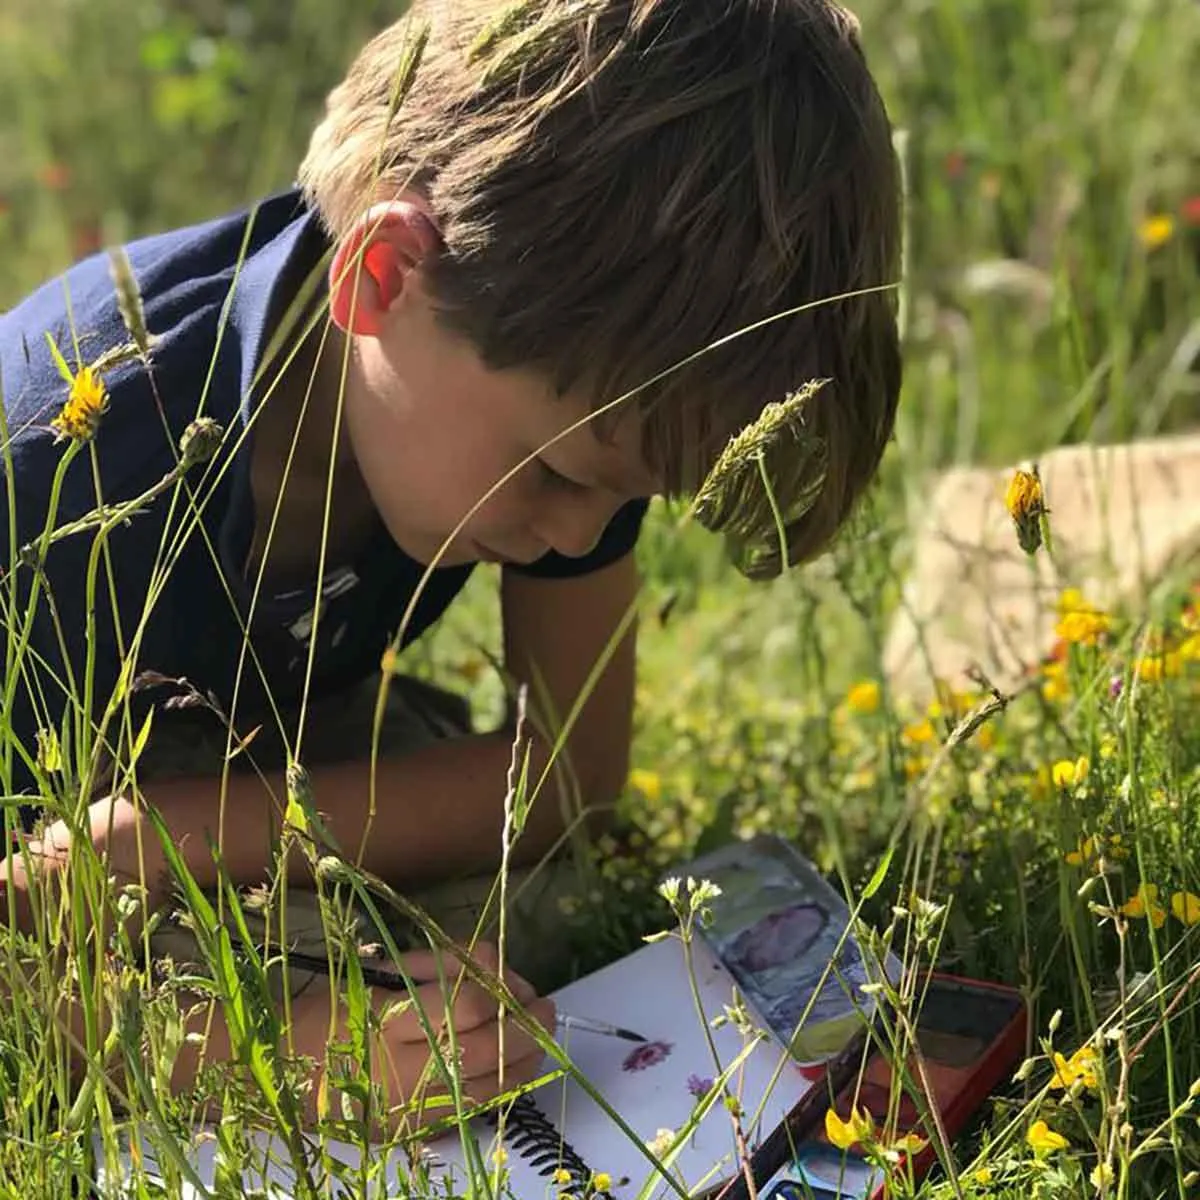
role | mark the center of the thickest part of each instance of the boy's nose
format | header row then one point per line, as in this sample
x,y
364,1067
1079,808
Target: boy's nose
x,y
573,530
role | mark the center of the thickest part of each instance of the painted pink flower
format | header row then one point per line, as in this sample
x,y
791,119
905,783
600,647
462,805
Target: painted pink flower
x,y
649,1054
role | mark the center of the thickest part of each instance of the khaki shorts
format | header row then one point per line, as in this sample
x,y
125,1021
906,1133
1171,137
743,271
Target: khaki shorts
x,y
536,944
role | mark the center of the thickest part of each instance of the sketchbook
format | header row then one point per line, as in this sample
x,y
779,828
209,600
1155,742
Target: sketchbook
x,y
675,1134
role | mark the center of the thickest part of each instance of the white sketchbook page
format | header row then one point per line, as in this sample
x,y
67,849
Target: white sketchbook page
x,y
647,991
656,1086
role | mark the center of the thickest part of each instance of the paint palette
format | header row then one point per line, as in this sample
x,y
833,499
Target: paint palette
x,y
782,932
969,1036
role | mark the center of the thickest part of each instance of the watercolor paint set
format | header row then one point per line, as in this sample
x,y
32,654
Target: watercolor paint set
x,y
649,1116
970,1037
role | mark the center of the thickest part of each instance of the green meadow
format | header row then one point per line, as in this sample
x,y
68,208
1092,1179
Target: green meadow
x,y
1047,836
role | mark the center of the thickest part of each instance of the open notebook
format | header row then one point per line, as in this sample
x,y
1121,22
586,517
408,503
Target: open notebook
x,y
654,1086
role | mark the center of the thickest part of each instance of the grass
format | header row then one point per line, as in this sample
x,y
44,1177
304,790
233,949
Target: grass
x,y
1046,300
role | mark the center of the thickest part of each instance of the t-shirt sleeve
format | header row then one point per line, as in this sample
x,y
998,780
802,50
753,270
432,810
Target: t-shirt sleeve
x,y
617,540
73,610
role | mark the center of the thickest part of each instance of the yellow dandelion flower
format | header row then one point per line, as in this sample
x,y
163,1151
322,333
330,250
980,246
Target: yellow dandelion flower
x,y
1026,504
1043,1140
1144,903
864,697
1082,628
86,403
1067,774
1186,907
1156,230
647,782
858,1127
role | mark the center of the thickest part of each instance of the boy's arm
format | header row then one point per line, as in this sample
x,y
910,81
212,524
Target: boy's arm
x,y
556,632
438,809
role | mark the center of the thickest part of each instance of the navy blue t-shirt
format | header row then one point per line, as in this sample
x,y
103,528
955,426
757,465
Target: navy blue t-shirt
x,y
212,294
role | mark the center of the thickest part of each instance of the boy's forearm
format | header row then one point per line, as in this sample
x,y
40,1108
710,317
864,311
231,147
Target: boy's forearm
x,y
438,812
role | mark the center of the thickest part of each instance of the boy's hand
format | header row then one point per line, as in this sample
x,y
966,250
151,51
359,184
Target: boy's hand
x,y
401,1054
117,830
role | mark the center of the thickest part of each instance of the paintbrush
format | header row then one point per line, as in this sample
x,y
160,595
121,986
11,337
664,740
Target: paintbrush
x,y
393,982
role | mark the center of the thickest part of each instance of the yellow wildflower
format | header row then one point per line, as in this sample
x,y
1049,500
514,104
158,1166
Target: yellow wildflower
x,y
911,1144
1156,230
647,782
86,403
1155,668
919,733
1072,600
1067,774
602,1181
1082,628
1043,1140
1055,683
1186,907
1085,852
858,1127
863,697
1025,502
1079,1068
562,1177
983,1175
1144,903
1189,649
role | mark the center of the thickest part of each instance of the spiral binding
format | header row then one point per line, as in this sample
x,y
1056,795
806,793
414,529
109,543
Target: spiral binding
x,y
532,1135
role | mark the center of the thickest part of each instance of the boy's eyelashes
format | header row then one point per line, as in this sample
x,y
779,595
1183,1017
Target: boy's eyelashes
x,y
558,479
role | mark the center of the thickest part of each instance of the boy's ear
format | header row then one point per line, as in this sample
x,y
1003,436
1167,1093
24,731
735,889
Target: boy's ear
x,y
373,262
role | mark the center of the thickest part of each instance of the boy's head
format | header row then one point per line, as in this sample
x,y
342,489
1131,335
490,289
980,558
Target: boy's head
x,y
582,194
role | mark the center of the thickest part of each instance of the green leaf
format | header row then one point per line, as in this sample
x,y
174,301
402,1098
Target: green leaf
x,y
880,874
59,361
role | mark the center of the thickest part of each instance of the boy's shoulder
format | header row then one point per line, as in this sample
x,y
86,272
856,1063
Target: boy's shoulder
x,y
208,291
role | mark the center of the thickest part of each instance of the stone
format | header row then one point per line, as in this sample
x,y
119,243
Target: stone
x,y
1123,519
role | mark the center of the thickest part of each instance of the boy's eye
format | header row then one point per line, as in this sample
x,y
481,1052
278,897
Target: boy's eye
x,y
557,478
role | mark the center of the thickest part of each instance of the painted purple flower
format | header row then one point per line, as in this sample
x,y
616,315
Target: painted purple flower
x,y
699,1086
1116,686
649,1054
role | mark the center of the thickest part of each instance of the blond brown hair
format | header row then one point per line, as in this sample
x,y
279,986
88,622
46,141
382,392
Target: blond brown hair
x,y
621,183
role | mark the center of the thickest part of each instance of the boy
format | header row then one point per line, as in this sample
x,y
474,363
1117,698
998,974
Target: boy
x,y
560,202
